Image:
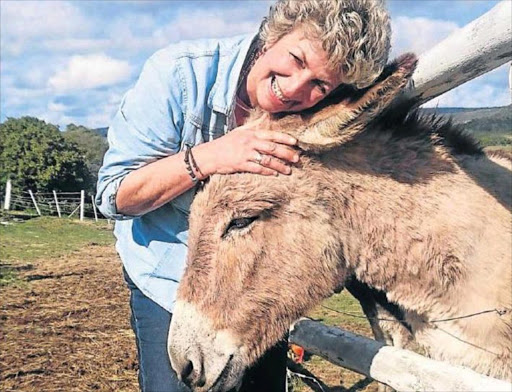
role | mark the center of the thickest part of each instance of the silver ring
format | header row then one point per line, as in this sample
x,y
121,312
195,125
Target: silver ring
x,y
258,158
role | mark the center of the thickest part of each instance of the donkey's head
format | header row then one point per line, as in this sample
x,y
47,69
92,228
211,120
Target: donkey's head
x,y
264,250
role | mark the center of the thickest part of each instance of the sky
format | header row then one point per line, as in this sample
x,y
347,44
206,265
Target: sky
x,y
72,61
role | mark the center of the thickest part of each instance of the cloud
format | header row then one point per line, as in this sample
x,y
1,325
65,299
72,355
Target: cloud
x,y
89,72
25,22
212,23
57,107
472,96
14,97
32,77
92,108
75,44
418,34
490,89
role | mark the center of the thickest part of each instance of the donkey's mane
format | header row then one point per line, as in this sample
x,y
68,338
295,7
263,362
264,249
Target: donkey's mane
x,y
405,120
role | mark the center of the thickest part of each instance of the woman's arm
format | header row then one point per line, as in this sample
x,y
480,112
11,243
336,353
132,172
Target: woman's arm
x,y
157,183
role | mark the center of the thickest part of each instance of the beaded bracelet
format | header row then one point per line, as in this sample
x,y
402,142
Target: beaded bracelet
x,y
189,158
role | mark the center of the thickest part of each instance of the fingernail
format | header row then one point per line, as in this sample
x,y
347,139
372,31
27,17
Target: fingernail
x,y
296,158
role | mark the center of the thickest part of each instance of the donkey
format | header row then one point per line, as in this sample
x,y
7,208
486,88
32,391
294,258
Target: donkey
x,y
405,207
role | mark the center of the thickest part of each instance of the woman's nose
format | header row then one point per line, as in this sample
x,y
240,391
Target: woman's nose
x,y
296,86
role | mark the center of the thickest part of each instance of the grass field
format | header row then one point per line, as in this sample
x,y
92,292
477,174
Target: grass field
x,y
46,237
65,316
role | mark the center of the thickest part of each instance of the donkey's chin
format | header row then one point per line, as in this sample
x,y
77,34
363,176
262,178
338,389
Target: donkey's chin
x,y
203,358
229,378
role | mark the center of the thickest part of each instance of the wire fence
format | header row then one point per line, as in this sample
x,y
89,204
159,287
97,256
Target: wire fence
x,y
61,204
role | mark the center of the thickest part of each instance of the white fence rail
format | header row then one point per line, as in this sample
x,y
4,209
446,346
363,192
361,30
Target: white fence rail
x,y
477,48
402,370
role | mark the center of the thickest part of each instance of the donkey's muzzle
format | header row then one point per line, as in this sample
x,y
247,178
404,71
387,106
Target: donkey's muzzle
x,y
203,358
189,368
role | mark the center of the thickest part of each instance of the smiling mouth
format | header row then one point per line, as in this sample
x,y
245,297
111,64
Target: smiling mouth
x,y
277,91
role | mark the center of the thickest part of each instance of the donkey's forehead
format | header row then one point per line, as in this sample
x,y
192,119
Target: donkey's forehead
x,y
244,191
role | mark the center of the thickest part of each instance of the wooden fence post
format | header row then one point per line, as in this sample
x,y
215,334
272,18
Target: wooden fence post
x,y
34,201
7,200
56,203
94,209
82,202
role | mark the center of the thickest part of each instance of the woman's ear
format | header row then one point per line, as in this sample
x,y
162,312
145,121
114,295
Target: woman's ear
x,y
339,119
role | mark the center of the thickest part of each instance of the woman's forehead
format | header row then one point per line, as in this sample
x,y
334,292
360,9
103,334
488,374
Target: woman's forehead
x,y
316,58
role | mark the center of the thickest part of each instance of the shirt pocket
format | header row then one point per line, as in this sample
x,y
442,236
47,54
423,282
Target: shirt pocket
x,y
214,127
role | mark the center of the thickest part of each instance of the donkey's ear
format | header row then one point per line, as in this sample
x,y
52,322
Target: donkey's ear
x,y
332,124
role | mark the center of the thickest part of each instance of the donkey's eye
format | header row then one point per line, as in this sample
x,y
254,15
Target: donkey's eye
x,y
239,223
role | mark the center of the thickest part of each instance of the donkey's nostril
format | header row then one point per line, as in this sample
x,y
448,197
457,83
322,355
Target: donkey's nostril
x,y
186,373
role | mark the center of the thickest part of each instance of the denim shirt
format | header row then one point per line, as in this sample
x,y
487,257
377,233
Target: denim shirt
x,y
184,95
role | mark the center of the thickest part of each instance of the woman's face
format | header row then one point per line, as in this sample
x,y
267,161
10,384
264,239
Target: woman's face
x,y
291,75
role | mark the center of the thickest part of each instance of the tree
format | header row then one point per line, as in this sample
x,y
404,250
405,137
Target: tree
x,y
35,155
91,143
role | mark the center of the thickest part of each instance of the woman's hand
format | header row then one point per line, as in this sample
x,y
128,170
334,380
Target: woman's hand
x,y
250,148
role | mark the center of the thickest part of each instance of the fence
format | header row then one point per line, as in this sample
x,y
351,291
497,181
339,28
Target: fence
x,y
61,204
400,369
481,46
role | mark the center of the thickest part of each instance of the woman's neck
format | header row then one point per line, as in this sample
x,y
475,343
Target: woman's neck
x,y
242,104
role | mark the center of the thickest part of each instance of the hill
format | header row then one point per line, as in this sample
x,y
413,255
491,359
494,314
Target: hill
x,y
101,131
479,120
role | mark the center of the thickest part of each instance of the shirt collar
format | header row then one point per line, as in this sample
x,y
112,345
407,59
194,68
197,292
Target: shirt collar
x,y
223,91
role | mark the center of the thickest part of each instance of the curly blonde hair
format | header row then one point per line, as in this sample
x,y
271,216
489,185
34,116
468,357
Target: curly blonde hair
x,y
355,34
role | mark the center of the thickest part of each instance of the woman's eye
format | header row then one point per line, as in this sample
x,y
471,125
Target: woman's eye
x,y
297,59
239,223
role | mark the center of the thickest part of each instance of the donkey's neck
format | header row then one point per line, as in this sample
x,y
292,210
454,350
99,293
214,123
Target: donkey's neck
x,y
381,211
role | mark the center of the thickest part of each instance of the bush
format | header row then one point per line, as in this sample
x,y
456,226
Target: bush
x,y
35,155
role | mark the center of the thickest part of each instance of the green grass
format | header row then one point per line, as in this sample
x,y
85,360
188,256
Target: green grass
x,y
22,242
503,148
487,139
341,310
7,275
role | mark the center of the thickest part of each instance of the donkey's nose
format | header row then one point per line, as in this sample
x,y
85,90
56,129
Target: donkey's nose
x,y
186,372
189,370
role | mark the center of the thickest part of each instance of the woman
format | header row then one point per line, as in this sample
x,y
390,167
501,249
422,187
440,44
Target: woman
x,y
184,121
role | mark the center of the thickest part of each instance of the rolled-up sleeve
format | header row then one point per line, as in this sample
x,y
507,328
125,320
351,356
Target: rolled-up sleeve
x,y
147,127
